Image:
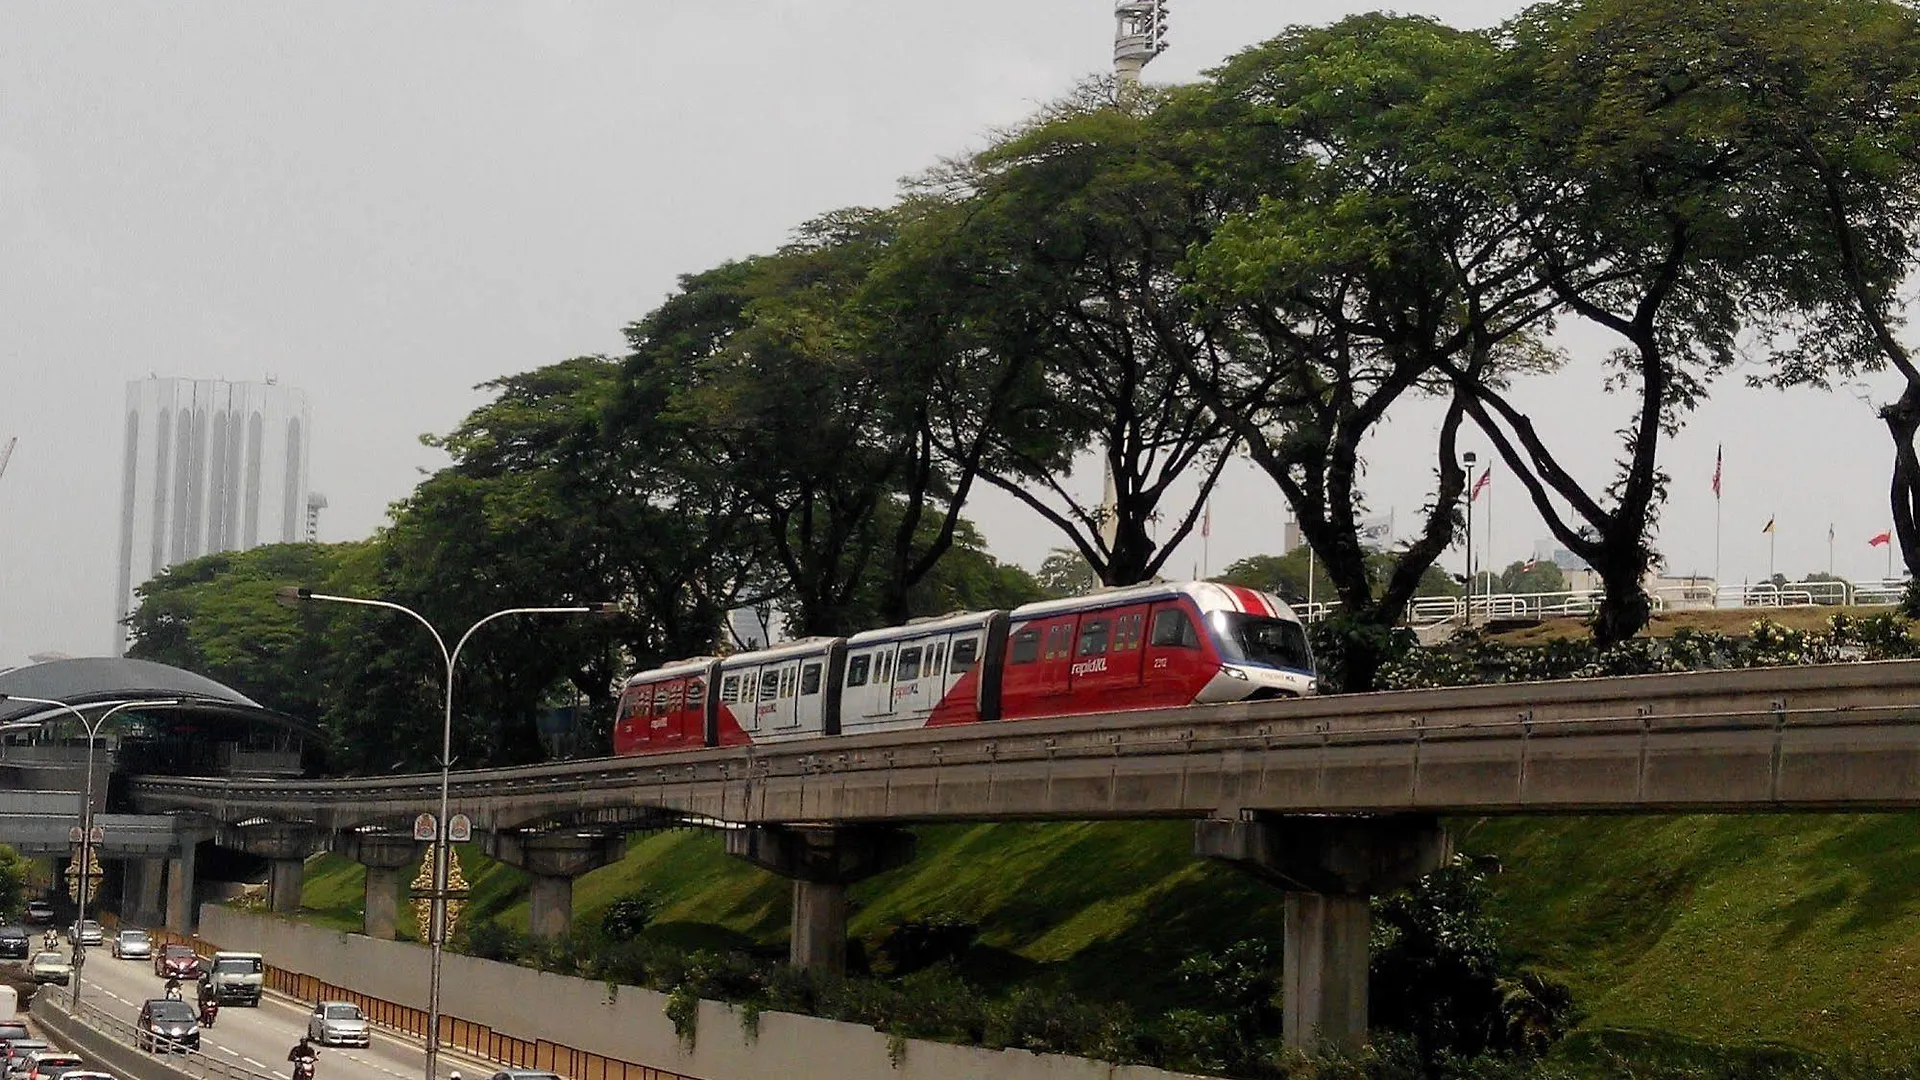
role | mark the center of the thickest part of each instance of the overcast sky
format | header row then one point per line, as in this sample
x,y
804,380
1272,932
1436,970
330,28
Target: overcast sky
x,y
385,203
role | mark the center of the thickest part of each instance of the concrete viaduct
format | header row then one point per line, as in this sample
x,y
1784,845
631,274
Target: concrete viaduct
x,y
1331,799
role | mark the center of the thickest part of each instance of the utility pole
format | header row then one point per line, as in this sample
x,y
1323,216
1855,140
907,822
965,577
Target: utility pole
x,y
6,454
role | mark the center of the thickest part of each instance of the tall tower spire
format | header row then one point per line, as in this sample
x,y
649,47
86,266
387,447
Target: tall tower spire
x,y
1139,35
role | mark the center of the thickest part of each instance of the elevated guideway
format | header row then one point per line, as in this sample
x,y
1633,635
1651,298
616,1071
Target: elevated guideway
x,y
1835,737
1331,799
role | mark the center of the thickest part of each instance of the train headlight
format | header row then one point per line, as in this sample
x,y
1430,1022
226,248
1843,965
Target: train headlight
x,y
1233,672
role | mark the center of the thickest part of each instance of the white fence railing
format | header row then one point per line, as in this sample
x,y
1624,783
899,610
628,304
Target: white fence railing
x,y
1433,610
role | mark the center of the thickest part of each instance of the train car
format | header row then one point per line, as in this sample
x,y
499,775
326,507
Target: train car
x,y
1146,647
790,691
1153,646
933,671
665,709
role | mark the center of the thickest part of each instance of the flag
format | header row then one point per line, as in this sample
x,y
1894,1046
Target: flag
x,y
1769,527
1829,532
1716,470
1527,567
1481,484
1883,538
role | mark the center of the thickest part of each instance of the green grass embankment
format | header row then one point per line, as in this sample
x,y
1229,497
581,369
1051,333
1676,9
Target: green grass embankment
x,y
1799,930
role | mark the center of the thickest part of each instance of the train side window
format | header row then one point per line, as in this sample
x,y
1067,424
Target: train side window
x,y
857,669
936,658
1025,647
730,689
965,652
660,702
788,677
1126,632
641,702
1093,638
1173,630
696,693
769,685
884,669
810,680
909,669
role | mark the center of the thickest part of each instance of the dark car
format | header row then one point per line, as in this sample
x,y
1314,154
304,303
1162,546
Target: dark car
x,y
166,1024
39,911
13,943
176,962
9,1031
18,1051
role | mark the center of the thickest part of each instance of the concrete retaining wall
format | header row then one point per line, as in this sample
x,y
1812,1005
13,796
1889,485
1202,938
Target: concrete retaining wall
x,y
630,1023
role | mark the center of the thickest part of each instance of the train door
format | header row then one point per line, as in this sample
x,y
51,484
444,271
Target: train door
x,y
667,700
736,706
917,680
1106,660
880,683
810,694
1177,666
693,713
1056,656
765,681
785,715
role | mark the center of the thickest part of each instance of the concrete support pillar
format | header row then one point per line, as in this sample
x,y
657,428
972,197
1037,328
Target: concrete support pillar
x,y
554,860
285,879
550,907
142,894
822,862
1328,867
385,856
181,916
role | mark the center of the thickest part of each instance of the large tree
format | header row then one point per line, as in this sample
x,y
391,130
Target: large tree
x,y
783,381
1618,134
1836,87
1077,230
1353,262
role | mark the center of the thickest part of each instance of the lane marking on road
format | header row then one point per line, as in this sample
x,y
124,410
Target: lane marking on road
x,y
226,1050
255,1064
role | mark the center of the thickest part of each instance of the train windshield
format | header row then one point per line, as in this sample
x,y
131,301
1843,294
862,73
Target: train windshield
x,y
1254,639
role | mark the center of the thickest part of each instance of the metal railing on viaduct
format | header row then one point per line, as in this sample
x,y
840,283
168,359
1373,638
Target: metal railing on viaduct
x,y
1331,798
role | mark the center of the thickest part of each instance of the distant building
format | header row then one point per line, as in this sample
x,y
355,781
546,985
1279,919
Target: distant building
x,y
208,466
1551,551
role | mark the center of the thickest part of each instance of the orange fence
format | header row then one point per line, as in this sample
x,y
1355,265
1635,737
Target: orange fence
x,y
477,1039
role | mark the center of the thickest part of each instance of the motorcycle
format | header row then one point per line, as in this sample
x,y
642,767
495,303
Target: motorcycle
x,y
303,1068
209,1011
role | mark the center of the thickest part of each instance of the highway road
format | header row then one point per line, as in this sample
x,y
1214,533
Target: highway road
x,y
260,1038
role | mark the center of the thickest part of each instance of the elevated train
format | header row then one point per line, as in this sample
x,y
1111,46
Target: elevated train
x,y
1145,647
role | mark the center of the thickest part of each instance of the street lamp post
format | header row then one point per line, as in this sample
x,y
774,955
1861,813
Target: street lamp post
x,y
86,815
1469,457
293,596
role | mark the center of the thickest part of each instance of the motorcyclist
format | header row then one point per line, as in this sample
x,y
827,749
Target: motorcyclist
x,y
208,1001
50,940
173,989
303,1057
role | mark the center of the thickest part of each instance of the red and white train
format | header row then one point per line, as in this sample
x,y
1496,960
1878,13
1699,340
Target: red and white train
x,y
1145,647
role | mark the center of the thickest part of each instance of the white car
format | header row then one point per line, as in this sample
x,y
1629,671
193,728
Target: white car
x,y
50,967
337,1023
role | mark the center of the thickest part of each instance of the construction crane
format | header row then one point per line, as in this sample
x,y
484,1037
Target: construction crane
x,y
6,453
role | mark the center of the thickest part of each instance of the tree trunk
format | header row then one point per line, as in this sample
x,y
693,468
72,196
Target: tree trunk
x,y
1903,423
1624,608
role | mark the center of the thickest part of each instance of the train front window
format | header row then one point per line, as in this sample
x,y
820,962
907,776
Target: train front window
x,y
1253,639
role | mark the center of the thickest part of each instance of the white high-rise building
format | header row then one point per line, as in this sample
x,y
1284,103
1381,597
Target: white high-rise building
x,y
209,466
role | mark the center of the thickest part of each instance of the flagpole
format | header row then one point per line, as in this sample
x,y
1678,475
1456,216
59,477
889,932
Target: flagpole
x,y
1773,534
1717,454
1491,564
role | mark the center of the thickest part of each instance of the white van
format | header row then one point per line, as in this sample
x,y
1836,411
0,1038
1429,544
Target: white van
x,y
237,976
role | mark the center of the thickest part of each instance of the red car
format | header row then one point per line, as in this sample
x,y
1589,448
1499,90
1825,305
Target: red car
x,y
176,962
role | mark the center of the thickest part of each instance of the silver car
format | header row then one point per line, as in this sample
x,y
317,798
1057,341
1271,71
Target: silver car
x,y
88,932
132,945
337,1023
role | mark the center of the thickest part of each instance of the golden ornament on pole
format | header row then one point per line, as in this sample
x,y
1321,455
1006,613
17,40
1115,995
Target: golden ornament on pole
x,y
422,892
94,873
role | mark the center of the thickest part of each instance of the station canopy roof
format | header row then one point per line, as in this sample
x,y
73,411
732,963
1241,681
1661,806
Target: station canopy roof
x,y
95,684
